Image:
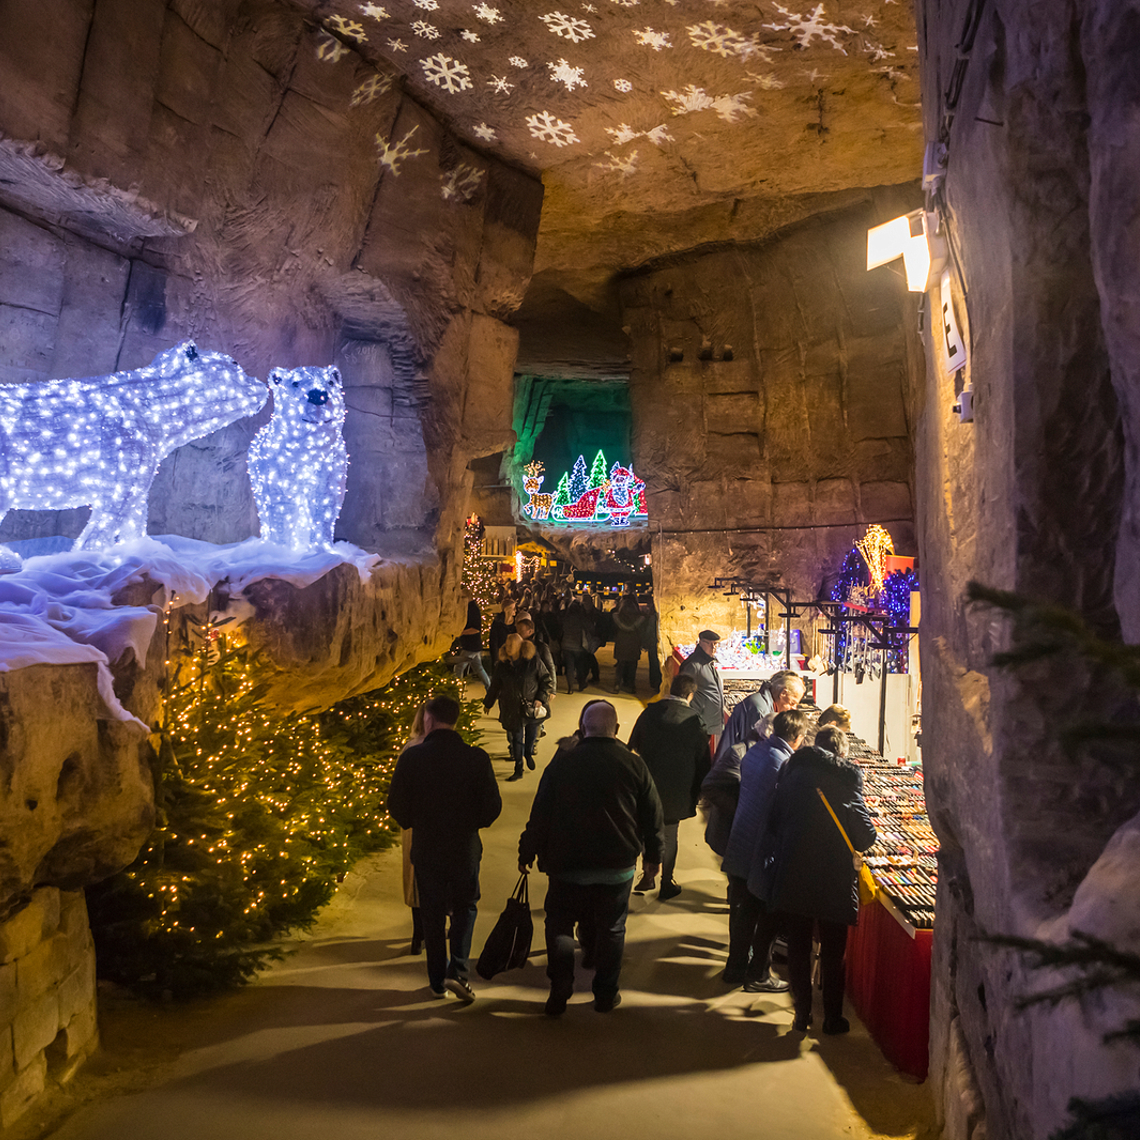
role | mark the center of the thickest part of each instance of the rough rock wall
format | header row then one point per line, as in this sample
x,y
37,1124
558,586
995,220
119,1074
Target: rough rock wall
x,y
173,170
1039,494
769,391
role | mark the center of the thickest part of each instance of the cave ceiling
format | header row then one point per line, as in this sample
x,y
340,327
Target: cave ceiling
x,y
657,126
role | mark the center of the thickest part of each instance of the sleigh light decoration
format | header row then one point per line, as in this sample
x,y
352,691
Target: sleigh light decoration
x,y
601,497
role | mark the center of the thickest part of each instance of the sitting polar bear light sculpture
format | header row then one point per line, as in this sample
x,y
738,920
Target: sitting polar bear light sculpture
x,y
98,441
298,462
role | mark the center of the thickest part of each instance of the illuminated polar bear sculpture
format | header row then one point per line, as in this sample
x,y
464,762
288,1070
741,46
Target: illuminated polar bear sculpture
x,y
298,462
98,441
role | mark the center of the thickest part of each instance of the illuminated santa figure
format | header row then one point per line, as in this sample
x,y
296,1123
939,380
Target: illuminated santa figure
x,y
298,462
621,497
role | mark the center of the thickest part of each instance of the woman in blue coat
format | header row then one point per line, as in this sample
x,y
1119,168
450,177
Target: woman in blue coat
x,y
811,878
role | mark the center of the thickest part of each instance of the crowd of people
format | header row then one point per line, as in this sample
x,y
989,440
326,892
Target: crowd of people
x,y
785,812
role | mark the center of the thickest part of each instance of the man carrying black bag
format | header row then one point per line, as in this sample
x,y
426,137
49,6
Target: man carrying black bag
x,y
595,811
445,791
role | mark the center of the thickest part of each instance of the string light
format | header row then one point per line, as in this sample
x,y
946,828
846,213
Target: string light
x,y
98,441
298,462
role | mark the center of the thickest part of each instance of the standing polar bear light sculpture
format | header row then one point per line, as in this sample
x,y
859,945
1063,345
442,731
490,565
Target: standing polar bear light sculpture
x,y
98,441
298,462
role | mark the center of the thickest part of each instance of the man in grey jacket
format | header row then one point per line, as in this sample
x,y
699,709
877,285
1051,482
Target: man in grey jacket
x,y
708,700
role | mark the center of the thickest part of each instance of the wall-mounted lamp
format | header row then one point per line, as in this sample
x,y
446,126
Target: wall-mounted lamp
x,y
914,237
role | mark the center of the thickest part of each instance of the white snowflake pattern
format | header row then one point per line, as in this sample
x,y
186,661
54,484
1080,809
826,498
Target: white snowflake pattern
x,y
731,107
659,135
568,27
500,84
370,90
870,22
487,13
571,77
393,155
623,85
547,128
517,61
350,29
691,99
623,133
811,27
427,5
330,49
425,30
625,3
625,166
446,72
877,52
486,133
892,73
766,82
718,38
751,48
470,37
461,183
588,8
375,11
397,45
649,38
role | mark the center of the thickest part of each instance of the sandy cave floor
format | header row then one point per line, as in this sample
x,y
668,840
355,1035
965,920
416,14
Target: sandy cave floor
x,y
341,1040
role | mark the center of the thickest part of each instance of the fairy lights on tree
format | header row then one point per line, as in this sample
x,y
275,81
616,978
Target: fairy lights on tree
x,y
98,441
480,575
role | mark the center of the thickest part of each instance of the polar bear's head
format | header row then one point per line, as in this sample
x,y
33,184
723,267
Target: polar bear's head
x,y
309,395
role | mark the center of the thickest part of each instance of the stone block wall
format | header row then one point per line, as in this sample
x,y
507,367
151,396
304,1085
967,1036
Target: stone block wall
x,y
770,396
47,996
1038,112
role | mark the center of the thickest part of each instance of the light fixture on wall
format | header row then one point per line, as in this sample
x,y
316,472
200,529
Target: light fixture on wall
x,y
915,237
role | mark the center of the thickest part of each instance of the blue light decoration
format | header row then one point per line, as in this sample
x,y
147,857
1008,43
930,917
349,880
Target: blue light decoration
x,y
596,497
853,588
298,462
98,441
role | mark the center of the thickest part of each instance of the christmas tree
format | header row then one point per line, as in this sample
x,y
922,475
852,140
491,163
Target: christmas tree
x,y
578,482
260,814
598,474
562,493
480,575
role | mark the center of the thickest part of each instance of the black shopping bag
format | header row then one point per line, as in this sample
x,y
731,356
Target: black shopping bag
x,y
508,945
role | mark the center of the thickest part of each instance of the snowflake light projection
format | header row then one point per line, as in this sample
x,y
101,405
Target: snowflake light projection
x,y
375,11
350,29
729,107
717,38
425,30
623,133
393,155
810,27
427,5
623,85
470,37
571,77
371,89
623,165
461,183
446,72
568,27
329,48
298,463
485,133
517,61
548,128
656,40
397,45
487,13
501,84
598,497
98,441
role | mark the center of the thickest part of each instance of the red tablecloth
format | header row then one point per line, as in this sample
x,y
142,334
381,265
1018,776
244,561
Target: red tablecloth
x,y
888,982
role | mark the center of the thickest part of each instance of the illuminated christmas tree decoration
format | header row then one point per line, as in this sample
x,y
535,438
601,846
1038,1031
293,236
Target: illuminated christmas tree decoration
x,y
610,498
480,574
298,462
875,545
98,441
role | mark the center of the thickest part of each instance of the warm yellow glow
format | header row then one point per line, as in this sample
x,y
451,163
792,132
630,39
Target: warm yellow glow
x,y
887,242
910,238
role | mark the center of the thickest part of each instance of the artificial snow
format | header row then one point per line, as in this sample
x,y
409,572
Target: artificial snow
x,y
57,608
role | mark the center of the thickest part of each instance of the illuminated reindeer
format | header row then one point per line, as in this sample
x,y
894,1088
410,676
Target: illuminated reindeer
x,y
537,506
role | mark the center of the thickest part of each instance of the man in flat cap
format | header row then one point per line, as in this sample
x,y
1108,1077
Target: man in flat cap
x,y
708,700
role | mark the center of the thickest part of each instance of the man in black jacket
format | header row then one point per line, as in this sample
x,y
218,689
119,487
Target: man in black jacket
x,y
668,736
595,811
445,791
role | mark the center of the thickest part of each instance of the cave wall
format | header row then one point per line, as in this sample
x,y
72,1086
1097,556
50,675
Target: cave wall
x,y
769,386
1037,495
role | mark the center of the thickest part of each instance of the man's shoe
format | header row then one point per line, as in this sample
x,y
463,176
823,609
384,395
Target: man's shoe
x,y
606,1005
668,891
769,985
645,883
530,763
556,1004
836,1025
461,989
515,775
733,977
802,1022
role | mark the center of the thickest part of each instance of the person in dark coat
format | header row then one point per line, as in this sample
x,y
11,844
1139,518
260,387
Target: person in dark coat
x,y
751,926
782,691
445,791
575,656
519,683
596,810
812,878
502,625
708,700
525,627
628,624
649,642
593,619
668,736
470,642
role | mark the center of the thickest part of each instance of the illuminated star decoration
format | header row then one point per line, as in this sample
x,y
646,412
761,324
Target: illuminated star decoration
x,y
298,462
874,546
98,441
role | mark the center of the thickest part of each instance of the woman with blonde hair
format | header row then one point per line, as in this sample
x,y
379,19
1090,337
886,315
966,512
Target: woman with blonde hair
x,y
521,684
